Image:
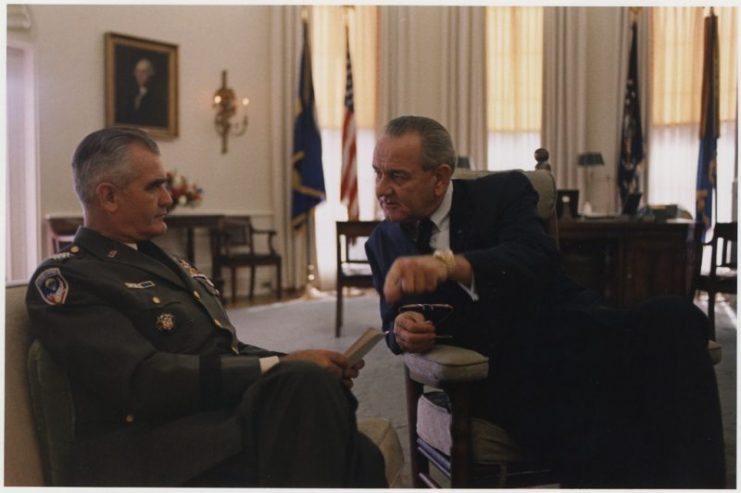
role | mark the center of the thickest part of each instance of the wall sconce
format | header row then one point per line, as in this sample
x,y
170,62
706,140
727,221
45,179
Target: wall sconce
x,y
225,103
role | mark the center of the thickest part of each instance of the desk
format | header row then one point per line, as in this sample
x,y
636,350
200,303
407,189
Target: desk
x,y
629,261
65,226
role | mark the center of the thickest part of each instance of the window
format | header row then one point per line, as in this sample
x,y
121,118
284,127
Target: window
x,y
514,74
328,58
676,84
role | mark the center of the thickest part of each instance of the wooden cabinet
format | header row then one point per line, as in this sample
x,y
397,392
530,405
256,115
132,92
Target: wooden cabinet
x,y
629,261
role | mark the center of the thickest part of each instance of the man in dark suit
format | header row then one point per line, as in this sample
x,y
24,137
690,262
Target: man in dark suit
x,y
607,397
164,392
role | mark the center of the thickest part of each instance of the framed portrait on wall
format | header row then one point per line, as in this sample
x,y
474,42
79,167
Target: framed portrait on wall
x,y
141,84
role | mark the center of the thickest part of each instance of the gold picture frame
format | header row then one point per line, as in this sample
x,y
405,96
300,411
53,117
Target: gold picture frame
x,y
141,84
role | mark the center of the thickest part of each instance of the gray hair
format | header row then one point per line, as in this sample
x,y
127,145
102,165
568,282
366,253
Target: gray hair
x,y
104,156
437,146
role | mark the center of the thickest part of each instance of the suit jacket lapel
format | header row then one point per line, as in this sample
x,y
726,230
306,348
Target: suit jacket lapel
x,y
461,215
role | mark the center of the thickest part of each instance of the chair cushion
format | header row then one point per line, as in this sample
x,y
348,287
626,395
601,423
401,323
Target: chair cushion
x,y
22,455
356,269
380,431
491,444
54,414
446,364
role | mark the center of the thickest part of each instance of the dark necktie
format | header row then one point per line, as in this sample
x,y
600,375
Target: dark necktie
x,y
424,235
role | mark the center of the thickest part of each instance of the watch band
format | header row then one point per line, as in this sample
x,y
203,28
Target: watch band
x,y
447,257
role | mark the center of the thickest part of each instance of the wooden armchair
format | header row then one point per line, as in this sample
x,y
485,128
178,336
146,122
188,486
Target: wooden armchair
x,y
61,232
238,250
468,451
722,277
351,271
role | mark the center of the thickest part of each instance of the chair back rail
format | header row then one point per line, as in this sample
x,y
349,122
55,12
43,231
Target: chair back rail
x,y
240,248
352,271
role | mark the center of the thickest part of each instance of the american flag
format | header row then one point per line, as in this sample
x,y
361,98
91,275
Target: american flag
x,y
349,184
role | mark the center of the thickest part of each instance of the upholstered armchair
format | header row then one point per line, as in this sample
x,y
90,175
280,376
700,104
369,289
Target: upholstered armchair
x,y
40,414
468,451
441,386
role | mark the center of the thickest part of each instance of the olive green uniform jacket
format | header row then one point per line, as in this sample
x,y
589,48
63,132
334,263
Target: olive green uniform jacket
x,y
154,362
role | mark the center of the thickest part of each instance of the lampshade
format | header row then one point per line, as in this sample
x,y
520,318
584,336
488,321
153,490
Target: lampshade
x,y
591,159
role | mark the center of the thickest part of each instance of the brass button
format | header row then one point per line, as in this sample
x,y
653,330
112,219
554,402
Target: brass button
x,y
129,418
74,249
218,324
156,300
197,295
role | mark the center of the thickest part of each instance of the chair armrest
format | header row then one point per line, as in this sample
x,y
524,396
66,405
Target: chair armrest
x,y
446,364
269,232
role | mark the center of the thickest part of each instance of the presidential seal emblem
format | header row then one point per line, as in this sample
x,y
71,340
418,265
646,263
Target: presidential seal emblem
x,y
52,286
165,322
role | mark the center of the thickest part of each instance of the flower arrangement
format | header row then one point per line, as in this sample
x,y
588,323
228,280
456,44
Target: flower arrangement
x,y
182,191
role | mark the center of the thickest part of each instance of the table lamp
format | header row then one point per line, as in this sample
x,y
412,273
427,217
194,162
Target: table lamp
x,y
589,160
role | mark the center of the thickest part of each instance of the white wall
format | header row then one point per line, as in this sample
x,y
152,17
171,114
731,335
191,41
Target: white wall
x,y
69,50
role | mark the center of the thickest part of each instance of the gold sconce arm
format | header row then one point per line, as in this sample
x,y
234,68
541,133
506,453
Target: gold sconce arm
x,y
225,103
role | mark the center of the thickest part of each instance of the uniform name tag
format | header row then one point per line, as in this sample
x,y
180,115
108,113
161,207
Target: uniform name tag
x,y
139,285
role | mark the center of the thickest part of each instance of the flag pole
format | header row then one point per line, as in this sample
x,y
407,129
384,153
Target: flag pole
x,y
311,292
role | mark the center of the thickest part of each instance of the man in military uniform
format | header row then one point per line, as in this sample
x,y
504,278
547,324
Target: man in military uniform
x,y
165,393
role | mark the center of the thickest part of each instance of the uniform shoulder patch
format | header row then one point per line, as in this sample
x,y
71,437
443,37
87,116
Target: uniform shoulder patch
x,y
52,286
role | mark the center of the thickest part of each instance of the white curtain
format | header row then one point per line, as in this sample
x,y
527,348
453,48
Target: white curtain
x,y
564,92
463,64
328,53
431,62
514,85
285,51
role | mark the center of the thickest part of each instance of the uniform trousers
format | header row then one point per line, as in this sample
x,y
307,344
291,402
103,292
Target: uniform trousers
x,y
299,430
615,398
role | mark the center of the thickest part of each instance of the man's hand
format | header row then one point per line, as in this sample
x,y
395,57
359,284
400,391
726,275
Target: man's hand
x,y
413,333
332,361
420,274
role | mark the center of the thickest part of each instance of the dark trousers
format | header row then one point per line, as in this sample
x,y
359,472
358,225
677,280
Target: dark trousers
x,y
299,430
616,398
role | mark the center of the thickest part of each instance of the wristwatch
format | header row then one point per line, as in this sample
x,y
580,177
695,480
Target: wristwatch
x,y
447,257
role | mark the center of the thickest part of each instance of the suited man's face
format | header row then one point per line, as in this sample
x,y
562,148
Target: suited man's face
x,y
406,191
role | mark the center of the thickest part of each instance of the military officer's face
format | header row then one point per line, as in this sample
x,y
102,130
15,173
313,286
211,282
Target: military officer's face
x,y
144,202
406,191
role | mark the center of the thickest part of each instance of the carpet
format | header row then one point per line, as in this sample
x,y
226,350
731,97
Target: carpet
x,y
301,324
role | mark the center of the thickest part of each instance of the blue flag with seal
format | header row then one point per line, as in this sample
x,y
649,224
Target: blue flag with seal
x,y
307,175
709,127
631,151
